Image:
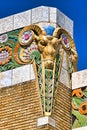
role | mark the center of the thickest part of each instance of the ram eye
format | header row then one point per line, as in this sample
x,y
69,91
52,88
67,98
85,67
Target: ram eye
x,y
43,43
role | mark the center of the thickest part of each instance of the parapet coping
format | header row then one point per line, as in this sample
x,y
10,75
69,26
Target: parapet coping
x,y
79,79
46,15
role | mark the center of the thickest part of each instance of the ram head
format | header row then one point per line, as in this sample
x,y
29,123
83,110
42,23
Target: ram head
x,y
48,46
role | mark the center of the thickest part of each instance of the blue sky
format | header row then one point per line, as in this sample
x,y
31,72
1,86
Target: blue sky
x,y
75,9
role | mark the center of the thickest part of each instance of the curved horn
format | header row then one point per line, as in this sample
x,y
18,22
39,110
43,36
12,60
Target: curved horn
x,y
34,31
34,28
59,31
56,32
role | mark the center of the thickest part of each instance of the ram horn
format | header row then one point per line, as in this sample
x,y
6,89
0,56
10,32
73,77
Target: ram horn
x,y
59,31
35,31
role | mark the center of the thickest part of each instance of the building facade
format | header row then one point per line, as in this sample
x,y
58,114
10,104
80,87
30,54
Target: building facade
x,y
37,59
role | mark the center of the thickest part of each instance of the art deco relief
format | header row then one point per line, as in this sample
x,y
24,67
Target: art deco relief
x,y
79,107
5,55
21,44
48,60
34,45
48,46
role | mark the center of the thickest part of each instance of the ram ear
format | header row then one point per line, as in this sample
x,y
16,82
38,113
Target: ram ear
x,y
59,32
29,33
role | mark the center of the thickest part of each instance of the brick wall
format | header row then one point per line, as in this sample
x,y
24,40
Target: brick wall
x,y
62,109
19,107
20,104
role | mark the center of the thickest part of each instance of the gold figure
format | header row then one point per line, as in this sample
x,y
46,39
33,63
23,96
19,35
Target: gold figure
x,y
71,49
49,45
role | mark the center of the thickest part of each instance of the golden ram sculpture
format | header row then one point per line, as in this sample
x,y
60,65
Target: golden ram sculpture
x,y
49,46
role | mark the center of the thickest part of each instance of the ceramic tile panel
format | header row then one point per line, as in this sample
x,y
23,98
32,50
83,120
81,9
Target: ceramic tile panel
x,y
79,107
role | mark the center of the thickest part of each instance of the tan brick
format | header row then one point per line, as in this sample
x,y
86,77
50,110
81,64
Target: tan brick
x,y
20,108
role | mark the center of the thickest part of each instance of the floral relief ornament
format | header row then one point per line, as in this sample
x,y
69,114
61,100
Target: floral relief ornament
x,y
26,37
5,55
3,38
25,53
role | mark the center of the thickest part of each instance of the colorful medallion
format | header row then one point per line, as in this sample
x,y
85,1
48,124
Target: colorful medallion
x,y
3,38
65,41
5,55
25,54
26,37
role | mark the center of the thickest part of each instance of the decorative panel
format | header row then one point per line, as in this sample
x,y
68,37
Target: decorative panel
x,y
12,53
79,107
9,50
48,49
